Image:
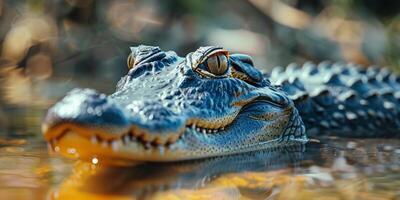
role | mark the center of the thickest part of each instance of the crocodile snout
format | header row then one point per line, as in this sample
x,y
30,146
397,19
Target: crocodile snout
x,y
86,107
94,114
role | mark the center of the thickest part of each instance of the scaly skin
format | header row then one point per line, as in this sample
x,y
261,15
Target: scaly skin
x,y
343,99
170,108
207,104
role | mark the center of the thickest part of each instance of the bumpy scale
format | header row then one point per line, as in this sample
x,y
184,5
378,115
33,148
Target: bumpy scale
x,y
213,103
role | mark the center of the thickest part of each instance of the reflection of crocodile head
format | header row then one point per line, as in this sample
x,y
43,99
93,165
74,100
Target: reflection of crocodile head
x,y
311,171
147,180
169,108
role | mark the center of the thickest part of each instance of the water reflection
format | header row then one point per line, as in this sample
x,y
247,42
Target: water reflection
x,y
332,169
26,170
151,180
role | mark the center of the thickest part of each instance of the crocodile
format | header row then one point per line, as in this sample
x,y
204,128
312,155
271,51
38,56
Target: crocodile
x,y
213,103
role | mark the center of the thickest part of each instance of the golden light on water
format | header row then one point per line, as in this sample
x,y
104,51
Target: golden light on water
x,y
95,161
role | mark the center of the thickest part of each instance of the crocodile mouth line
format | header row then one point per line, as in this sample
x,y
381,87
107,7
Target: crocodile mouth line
x,y
140,137
132,135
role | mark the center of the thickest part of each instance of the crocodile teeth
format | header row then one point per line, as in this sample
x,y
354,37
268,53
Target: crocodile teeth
x,y
161,149
125,139
94,139
147,145
115,145
210,129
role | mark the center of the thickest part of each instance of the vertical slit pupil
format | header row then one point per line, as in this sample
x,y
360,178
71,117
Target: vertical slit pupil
x,y
218,64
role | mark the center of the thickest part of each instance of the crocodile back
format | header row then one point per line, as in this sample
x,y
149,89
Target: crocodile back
x,y
343,99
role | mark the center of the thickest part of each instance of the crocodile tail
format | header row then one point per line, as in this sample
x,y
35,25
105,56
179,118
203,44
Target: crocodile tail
x,y
343,99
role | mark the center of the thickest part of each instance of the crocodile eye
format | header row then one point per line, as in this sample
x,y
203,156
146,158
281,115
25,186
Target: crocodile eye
x,y
130,61
217,64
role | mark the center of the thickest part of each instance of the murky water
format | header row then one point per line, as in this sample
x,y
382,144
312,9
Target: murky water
x,y
333,168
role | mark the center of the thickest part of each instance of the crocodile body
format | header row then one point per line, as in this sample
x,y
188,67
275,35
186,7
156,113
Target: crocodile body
x,y
213,103
343,99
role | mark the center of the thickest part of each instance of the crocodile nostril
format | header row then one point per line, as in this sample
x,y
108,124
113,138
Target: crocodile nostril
x,y
86,107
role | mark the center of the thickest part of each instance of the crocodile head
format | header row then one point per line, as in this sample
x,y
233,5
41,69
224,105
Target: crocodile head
x,y
169,108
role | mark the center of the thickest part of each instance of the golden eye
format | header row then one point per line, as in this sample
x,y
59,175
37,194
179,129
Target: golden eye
x,y
217,64
130,61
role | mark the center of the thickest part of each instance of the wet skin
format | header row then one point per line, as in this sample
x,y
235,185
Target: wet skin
x,y
213,103
169,108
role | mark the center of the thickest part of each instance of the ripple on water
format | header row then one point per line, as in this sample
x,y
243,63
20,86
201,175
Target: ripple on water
x,y
334,168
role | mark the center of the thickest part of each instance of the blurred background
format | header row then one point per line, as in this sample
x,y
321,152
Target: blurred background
x,y
48,47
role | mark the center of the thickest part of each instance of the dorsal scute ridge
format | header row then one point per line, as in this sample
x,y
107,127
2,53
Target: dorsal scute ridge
x,y
295,81
343,98
347,96
324,65
310,69
276,72
333,79
292,68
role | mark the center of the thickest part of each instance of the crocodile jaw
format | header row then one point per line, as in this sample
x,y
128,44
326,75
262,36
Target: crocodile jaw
x,y
76,141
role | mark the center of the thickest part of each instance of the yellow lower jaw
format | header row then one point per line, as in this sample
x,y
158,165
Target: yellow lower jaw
x,y
72,145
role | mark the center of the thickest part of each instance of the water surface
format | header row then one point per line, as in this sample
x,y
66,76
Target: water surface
x,y
332,168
